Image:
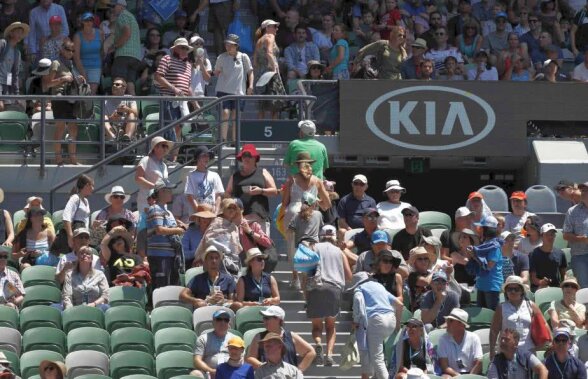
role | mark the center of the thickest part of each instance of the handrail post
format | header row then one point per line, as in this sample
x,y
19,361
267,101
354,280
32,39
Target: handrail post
x,y
237,126
219,138
42,138
102,129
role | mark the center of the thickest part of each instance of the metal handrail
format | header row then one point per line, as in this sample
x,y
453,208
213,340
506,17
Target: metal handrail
x,y
237,98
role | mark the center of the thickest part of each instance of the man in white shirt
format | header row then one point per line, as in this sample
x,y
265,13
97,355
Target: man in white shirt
x,y
81,238
390,210
460,351
204,187
580,73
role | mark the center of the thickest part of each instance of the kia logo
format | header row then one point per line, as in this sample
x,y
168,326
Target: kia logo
x,y
430,118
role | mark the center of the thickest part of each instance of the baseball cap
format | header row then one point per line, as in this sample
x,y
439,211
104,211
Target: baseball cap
x,y
561,332
545,63
475,195
519,195
120,2
439,275
80,231
489,222
501,15
180,13
309,198
547,227
55,20
462,212
506,234
273,311
87,16
379,236
233,39
236,342
369,211
420,43
361,178
221,313
563,184
328,230
410,209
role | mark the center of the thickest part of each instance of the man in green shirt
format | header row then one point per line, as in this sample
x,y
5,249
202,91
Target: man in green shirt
x,y
307,142
126,46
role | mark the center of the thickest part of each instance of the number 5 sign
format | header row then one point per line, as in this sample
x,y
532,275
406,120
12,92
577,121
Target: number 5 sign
x,y
269,130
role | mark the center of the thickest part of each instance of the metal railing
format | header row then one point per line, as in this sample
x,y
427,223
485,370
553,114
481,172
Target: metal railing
x,y
214,104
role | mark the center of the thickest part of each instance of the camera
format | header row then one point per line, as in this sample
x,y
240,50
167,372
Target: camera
x,y
199,52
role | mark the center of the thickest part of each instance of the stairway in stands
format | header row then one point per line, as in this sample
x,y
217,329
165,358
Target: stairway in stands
x,y
296,321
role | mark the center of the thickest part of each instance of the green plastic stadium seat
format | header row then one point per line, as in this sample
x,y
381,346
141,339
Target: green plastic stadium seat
x,y
93,376
82,316
149,107
39,315
57,219
8,317
13,127
249,318
170,316
88,132
435,335
29,361
151,123
131,363
17,217
470,376
126,296
88,338
191,273
124,316
39,275
559,242
485,363
174,339
13,359
41,295
479,318
434,220
44,338
172,363
183,377
132,338
250,334
544,296
406,315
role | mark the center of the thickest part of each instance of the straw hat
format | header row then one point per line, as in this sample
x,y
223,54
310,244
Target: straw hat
x,y
157,140
117,190
570,281
460,315
182,42
58,365
304,157
254,252
517,280
419,251
16,25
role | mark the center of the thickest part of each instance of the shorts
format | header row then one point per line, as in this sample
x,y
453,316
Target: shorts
x,y
220,15
93,75
126,68
323,302
230,104
62,110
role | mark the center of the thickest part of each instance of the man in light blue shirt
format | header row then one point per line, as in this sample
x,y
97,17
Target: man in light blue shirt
x,y
39,24
299,53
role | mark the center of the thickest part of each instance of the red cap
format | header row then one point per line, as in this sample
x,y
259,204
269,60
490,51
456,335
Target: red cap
x,y
519,195
475,194
55,20
248,148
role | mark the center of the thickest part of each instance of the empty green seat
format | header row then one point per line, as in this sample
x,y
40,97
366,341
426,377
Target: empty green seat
x,y
29,361
479,318
544,297
57,219
172,363
250,334
13,359
174,339
13,127
8,317
39,315
88,338
126,363
88,132
132,338
41,295
434,220
124,316
44,338
149,107
82,316
17,217
151,123
93,376
126,296
39,275
170,316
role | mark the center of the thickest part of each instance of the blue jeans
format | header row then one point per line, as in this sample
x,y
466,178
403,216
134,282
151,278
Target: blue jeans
x,y
170,114
488,299
580,268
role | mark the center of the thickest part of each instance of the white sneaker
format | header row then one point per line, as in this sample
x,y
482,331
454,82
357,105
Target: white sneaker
x,y
295,284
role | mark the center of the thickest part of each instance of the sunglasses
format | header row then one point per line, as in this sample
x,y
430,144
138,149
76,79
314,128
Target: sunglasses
x,y
83,237
533,21
440,34
49,368
70,50
259,259
561,340
247,155
359,183
3,256
514,289
568,285
435,19
86,254
422,259
387,261
222,319
372,218
118,85
117,196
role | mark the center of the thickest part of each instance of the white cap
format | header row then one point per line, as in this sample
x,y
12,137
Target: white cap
x,y
394,185
460,315
504,235
328,230
490,222
462,212
274,311
267,23
361,178
307,127
547,227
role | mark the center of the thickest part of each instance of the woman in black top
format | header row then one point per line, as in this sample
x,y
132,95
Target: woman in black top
x,y
385,273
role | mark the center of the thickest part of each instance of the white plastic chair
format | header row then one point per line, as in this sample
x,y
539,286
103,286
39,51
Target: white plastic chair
x,y
583,347
10,339
84,362
541,198
169,295
350,233
495,198
484,335
582,295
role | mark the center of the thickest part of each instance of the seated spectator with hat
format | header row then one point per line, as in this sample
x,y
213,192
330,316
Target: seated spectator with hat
x,y
476,204
413,350
439,301
361,241
83,285
6,371
462,220
212,348
256,287
410,68
547,264
199,223
391,208
235,367
567,308
35,202
52,370
412,234
366,261
561,364
352,207
81,238
116,252
306,142
274,349
10,283
515,220
532,239
459,351
31,245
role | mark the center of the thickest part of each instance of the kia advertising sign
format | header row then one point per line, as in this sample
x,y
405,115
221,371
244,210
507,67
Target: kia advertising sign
x,y
410,118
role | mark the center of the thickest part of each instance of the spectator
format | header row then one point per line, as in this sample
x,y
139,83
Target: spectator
x,y
339,54
389,54
550,15
11,61
580,73
76,213
513,262
32,243
511,362
568,191
546,50
416,11
515,220
366,31
410,68
435,21
274,348
312,11
181,209
307,223
235,77
251,235
579,32
84,285
52,44
126,46
300,53
81,238
460,351
201,68
547,263
256,287
390,209
294,345
471,41
386,272
414,349
438,303
523,18
455,25
52,370
452,70
459,257
561,358
179,29
531,38
199,223
551,72
422,260
286,35
418,285
427,68
235,367
353,206
476,204
323,37
88,47
367,259
376,314
120,115
567,308
212,287
203,186
11,13
116,253
532,239
164,237
211,348
516,70
462,220
484,69
506,59
307,143
6,226
59,82
39,22
411,236
10,280
485,261
362,241
389,16
152,46
253,185
497,41
483,11
443,49
151,168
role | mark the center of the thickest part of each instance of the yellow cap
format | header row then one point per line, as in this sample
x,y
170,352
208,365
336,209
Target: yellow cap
x,y
236,342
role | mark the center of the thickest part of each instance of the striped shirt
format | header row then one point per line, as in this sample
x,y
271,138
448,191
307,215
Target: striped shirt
x,y
576,222
10,276
131,48
158,245
177,72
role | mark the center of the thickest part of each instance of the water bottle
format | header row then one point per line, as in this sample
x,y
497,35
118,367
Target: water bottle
x,y
85,298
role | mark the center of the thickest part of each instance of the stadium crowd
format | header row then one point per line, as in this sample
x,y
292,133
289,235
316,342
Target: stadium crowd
x,y
507,265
